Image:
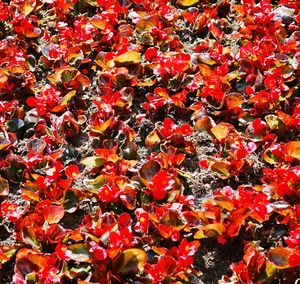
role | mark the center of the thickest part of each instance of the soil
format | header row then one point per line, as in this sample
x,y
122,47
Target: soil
x,y
213,260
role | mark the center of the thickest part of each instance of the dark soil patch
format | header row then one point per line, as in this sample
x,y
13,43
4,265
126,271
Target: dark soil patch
x,y
7,272
214,260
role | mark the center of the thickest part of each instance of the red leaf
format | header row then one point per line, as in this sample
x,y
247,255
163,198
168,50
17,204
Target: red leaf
x,y
53,214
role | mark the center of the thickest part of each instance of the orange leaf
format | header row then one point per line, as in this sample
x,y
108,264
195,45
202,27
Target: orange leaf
x,y
234,100
4,188
292,149
98,23
214,230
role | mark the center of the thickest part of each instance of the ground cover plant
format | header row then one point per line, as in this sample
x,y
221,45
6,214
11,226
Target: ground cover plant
x,y
149,141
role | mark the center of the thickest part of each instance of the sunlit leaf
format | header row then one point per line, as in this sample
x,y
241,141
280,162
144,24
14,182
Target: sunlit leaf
x,y
214,230
129,57
292,149
93,161
63,103
98,23
129,261
206,58
4,142
223,202
159,250
200,234
53,214
79,252
221,130
93,3
186,3
234,100
270,157
205,70
74,56
28,6
63,75
102,126
35,32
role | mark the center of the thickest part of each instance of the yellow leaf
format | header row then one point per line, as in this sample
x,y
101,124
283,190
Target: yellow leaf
x,y
272,121
28,7
200,234
223,202
186,3
129,57
74,55
214,230
221,130
32,33
65,74
205,70
159,250
269,157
